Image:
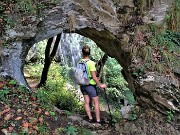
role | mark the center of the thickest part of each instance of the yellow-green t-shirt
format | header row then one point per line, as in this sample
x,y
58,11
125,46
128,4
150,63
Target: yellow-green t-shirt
x,y
91,67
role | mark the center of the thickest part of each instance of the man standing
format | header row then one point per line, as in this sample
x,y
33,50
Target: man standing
x,y
90,91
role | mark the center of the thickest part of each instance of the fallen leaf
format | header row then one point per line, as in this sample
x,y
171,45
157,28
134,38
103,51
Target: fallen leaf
x,y
19,110
47,123
7,110
46,113
33,120
39,110
12,124
41,120
1,85
32,131
18,118
35,127
8,116
25,113
25,124
5,131
10,128
34,105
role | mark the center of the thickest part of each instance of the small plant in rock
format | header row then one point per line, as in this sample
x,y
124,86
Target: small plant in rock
x,y
71,130
12,82
133,114
3,94
170,115
68,113
116,115
23,89
52,113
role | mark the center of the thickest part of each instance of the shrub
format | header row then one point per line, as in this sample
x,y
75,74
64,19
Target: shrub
x,y
57,93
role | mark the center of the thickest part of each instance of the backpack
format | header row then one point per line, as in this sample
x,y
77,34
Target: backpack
x,y
81,73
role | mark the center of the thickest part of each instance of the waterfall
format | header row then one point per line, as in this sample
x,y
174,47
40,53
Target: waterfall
x,y
69,49
69,52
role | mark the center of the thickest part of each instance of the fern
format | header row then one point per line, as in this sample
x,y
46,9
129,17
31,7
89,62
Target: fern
x,y
71,130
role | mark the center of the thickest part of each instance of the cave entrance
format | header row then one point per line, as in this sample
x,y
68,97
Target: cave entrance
x,y
67,55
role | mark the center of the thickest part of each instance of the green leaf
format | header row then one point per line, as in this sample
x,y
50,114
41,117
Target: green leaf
x,y
12,82
71,130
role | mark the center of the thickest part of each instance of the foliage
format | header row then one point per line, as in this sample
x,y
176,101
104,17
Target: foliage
x,y
33,70
26,6
165,45
160,53
36,53
12,82
56,92
133,114
170,115
129,96
42,96
43,129
71,130
117,86
3,94
68,113
86,132
173,16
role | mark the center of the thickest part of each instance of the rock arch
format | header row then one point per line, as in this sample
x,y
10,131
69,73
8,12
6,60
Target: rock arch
x,y
97,20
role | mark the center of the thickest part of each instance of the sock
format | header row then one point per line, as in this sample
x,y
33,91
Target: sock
x,y
98,120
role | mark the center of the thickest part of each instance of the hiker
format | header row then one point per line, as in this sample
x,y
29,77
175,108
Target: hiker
x,y
90,91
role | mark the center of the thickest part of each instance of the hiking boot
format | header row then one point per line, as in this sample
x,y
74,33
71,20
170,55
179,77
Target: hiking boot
x,y
98,124
90,120
86,118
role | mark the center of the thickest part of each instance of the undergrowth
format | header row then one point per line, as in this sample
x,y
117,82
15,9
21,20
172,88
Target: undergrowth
x,y
55,91
159,51
24,112
157,47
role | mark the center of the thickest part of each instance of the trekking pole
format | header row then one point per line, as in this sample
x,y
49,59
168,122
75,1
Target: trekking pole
x,y
108,105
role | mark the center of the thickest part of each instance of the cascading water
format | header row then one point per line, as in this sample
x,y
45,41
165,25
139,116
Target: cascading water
x,y
69,49
69,52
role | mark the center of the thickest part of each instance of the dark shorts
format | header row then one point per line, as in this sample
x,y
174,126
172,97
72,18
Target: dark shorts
x,y
90,90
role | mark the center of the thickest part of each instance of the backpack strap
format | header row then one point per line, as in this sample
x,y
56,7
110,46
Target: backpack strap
x,y
86,66
84,61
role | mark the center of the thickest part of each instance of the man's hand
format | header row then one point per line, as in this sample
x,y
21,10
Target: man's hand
x,y
102,86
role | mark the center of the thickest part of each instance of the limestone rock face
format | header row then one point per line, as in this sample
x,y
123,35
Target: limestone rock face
x,y
105,22
158,90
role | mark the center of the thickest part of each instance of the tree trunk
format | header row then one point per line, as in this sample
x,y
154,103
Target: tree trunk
x,y
100,66
48,58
